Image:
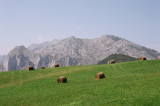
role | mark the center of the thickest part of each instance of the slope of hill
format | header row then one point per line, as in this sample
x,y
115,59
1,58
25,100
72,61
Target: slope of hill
x,y
76,51
130,83
118,58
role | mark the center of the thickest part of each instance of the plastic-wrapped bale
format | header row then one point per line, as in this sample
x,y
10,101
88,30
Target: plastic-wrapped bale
x,y
56,65
30,68
143,58
100,75
62,79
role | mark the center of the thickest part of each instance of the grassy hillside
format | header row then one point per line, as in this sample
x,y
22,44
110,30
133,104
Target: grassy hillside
x,y
118,58
132,83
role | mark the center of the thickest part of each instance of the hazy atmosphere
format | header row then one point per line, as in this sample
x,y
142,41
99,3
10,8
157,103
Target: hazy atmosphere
x,y
23,22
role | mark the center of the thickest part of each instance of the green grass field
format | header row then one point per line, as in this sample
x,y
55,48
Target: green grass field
x,y
132,83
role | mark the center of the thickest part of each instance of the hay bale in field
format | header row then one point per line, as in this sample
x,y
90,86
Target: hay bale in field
x,y
43,67
56,65
143,58
62,79
111,62
99,75
30,68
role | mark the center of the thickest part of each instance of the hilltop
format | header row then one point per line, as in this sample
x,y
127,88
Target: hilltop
x,y
118,58
129,83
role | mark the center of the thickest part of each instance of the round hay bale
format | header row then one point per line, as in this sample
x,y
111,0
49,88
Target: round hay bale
x,y
100,75
56,65
30,68
62,79
43,67
143,58
111,62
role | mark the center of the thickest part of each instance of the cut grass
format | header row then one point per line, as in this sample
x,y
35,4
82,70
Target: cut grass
x,y
132,83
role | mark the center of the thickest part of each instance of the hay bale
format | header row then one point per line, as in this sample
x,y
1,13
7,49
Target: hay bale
x,y
100,75
62,79
30,68
111,62
43,67
143,58
56,65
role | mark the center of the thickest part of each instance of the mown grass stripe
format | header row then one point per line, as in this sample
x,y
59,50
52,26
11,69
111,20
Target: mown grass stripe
x,y
40,76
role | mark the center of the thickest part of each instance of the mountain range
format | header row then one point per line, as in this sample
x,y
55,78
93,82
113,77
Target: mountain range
x,y
74,51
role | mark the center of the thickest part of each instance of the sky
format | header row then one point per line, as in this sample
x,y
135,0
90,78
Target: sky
x,y
24,22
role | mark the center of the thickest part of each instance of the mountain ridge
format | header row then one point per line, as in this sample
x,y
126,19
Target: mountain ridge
x,y
35,47
76,51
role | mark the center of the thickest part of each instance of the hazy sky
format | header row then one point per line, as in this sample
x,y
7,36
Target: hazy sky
x,y
23,22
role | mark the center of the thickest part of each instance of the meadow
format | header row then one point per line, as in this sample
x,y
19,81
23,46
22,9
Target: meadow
x,y
128,83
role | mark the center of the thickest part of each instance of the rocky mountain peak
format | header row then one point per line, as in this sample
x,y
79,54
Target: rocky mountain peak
x,y
72,38
110,38
19,58
19,50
